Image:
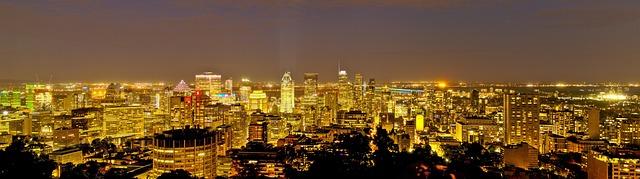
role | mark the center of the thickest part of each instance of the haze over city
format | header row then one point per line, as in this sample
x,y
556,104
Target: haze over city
x,y
297,89
169,40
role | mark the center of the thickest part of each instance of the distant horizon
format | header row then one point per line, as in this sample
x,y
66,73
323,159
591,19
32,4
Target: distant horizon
x,y
298,81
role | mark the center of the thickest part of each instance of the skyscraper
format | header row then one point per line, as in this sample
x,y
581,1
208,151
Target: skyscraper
x,y
358,90
310,89
228,86
345,91
522,118
209,83
245,90
310,100
287,98
258,101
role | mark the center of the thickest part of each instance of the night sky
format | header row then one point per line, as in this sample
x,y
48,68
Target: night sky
x,y
472,40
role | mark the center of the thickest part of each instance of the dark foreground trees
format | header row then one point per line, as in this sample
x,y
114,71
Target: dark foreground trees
x,y
353,156
16,161
177,174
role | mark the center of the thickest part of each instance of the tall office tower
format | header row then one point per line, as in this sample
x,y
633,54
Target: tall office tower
x,y
358,90
228,86
628,133
209,83
258,101
370,105
593,123
522,118
190,149
345,91
287,98
310,100
310,89
258,131
245,90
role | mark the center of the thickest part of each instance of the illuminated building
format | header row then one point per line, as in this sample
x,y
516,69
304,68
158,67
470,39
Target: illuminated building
x,y
521,113
190,149
277,128
245,91
64,137
583,146
521,155
553,143
287,95
345,91
260,157
182,89
420,123
209,83
359,91
5,98
64,156
258,130
122,122
228,86
15,123
476,129
237,118
616,163
352,119
114,94
224,137
405,142
310,100
629,132
11,99
563,122
37,97
258,101
593,123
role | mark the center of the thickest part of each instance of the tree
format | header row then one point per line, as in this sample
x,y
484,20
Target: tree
x,y
18,162
349,156
177,174
88,170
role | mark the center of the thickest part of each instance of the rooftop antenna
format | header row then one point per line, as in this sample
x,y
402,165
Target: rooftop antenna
x,y
339,64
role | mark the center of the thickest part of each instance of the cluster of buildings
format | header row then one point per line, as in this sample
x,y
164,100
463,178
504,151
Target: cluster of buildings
x,y
214,127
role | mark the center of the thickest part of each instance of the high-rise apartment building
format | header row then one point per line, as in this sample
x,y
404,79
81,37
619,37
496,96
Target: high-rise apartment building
x,y
522,122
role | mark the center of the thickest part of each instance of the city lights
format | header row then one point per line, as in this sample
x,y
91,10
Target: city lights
x,y
398,89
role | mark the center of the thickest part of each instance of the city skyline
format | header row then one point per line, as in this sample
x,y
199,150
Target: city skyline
x,y
296,89
524,41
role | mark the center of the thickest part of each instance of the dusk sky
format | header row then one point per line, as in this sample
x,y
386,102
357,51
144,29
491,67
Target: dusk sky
x,y
471,40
